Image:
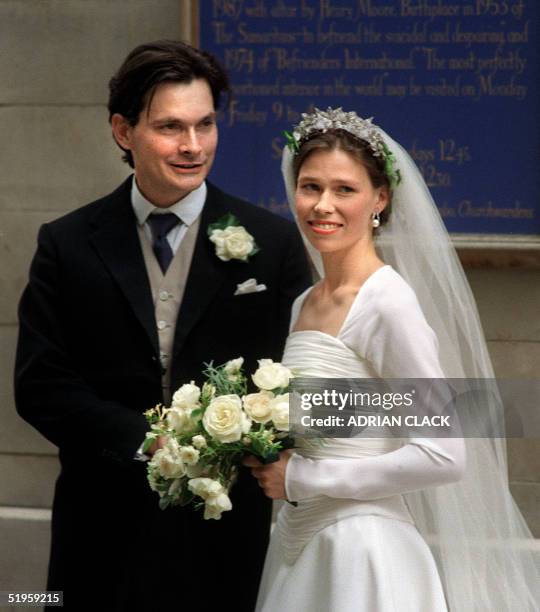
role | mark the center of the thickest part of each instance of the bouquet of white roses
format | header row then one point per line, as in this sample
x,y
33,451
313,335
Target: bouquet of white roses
x,y
208,430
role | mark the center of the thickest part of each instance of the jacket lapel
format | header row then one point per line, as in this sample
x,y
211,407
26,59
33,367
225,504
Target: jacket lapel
x,y
206,273
117,243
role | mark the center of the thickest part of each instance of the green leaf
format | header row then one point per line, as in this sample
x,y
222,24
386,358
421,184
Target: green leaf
x,y
223,222
148,443
186,497
164,502
270,457
292,143
257,447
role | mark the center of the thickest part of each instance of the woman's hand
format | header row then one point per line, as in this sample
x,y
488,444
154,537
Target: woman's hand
x,y
271,477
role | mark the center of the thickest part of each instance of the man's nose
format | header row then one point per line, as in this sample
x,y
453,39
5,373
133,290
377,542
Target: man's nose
x,y
190,144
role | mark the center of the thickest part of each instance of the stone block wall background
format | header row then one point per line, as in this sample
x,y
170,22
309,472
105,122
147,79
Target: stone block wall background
x,y
56,57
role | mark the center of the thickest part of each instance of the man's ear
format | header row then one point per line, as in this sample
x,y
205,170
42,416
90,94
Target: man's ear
x,y
121,130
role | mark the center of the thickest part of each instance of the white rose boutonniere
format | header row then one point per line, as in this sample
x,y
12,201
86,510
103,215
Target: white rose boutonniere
x,y
232,240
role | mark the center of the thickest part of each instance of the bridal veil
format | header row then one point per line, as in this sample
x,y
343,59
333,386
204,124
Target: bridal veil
x,y
480,541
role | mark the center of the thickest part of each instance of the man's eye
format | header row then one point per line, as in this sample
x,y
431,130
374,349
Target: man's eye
x,y
208,123
345,189
169,126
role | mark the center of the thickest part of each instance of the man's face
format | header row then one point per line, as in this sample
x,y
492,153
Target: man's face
x,y
174,143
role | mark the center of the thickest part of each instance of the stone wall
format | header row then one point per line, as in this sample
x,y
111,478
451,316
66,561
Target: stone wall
x,y
56,58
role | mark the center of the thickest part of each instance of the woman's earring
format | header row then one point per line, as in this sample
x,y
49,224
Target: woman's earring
x,y
375,219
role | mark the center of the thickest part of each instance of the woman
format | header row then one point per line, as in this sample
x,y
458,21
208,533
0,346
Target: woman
x,y
353,541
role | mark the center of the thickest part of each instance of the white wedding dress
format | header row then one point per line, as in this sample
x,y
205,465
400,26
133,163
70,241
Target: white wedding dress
x,y
351,544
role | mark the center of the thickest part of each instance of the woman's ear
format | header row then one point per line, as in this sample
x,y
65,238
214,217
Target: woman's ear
x,y
383,198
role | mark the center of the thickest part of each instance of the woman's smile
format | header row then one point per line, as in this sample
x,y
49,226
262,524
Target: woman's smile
x,y
325,227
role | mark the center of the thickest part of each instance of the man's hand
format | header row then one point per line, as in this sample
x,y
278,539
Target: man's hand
x,y
159,442
271,477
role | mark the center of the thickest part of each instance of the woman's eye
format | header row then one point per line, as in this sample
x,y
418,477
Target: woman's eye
x,y
309,187
345,189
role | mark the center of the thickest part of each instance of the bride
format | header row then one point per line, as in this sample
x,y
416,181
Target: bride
x,y
390,306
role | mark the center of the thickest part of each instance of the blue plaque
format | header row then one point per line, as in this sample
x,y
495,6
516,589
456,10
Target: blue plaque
x,y
452,80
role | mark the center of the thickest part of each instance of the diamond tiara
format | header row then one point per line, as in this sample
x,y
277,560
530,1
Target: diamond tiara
x,y
338,119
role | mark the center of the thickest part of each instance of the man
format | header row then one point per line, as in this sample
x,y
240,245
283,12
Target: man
x,y
119,311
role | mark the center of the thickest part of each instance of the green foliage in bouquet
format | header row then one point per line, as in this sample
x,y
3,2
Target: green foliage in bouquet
x,y
207,430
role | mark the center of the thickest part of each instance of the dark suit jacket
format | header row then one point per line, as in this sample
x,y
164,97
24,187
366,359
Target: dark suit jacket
x,y
88,366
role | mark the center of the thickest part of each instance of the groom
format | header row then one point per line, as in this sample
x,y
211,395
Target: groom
x,y
127,299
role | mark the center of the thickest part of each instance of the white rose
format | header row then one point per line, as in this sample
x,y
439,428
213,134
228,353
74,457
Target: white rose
x,y
280,412
172,446
187,397
205,487
168,465
225,420
215,505
178,419
271,375
257,406
198,441
189,455
233,242
233,366
152,480
209,389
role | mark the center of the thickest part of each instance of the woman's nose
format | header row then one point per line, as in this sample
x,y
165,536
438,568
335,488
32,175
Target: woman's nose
x,y
324,204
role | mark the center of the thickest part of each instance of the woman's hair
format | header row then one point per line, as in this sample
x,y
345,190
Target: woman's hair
x,y
359,149
164,61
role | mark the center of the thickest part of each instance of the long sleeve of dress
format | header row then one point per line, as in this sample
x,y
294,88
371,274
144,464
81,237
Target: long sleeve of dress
x,y
387,327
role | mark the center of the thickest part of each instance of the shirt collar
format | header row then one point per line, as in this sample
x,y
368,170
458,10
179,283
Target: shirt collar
x,y
187,209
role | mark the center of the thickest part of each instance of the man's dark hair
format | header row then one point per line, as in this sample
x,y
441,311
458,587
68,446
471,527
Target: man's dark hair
x,y
164,61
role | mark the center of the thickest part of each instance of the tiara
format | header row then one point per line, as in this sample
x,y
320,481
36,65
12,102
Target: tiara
x,y
338,119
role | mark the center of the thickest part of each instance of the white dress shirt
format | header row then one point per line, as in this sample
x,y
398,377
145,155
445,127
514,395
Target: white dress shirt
x,y
187,210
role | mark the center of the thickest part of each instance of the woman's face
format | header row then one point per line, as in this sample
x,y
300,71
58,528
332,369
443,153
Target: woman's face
x,y
335,200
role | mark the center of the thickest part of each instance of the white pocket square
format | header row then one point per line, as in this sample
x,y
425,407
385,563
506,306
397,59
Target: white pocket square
x,y
249,286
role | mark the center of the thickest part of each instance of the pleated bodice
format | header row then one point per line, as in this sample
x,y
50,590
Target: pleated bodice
x,y
317,354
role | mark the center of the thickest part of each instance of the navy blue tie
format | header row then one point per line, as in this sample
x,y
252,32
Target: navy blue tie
x,y
161,225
